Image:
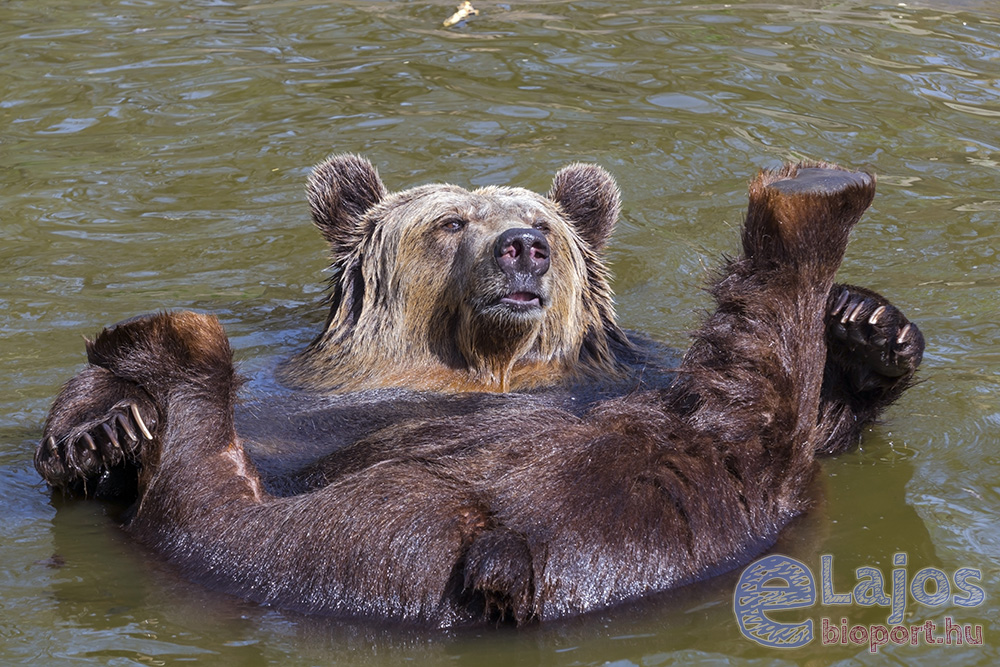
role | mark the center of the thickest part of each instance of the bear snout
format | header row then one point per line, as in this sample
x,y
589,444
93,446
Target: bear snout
x,y
522,251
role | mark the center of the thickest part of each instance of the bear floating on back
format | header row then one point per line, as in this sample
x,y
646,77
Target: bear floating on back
x,y
512,507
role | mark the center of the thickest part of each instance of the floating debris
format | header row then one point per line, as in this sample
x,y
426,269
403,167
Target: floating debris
x,y
464,11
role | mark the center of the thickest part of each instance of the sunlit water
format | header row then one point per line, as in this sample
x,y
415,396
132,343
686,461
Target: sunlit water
x,y
153,155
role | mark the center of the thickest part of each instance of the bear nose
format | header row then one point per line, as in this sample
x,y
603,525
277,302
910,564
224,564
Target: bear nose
x,y
522,251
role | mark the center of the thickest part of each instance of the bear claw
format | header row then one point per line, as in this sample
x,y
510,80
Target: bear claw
x,y
138,420
873,318
839,303
110,434
903,334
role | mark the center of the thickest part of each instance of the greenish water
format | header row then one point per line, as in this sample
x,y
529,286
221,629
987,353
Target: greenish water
x,y
153,155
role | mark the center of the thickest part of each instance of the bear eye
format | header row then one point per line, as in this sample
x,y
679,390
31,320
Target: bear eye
x,y
541,225
455,224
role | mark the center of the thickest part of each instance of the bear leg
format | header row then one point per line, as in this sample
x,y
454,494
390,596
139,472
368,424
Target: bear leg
x,y
753,375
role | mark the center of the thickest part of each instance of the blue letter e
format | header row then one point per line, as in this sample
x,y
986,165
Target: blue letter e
x,y
774,583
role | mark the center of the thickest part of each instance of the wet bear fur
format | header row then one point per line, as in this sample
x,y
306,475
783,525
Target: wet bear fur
x,y
439,288
509,506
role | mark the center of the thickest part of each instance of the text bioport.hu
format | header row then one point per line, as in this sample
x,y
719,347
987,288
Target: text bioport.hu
x,y
777,583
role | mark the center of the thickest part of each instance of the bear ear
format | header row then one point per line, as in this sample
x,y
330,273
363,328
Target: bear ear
x,y
590,198
340,191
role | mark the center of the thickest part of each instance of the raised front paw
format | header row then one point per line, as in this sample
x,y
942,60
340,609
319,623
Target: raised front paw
x,y
864,327
94,434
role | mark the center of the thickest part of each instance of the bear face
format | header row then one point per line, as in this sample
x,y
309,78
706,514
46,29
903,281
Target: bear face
x,y
441,288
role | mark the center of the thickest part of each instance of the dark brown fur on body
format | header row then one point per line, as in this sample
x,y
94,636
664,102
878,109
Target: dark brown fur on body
x,y
516,508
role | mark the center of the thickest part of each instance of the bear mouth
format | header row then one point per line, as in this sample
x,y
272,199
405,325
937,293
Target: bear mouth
x,y
522,301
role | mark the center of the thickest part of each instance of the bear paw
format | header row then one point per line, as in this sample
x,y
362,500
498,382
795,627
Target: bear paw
x,y
863,325
78,459
802,214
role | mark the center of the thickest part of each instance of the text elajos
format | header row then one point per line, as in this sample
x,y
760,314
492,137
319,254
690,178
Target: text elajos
x,y
778,583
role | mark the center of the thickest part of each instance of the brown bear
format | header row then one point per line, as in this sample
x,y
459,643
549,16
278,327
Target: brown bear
x,y
442,289
462,507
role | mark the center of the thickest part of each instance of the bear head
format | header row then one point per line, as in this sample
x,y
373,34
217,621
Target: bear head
x,y
440,288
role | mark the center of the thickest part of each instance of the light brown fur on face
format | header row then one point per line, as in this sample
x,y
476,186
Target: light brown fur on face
x,y
418,298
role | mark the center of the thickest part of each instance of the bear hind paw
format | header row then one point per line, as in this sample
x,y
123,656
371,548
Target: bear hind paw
x,y
803,214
